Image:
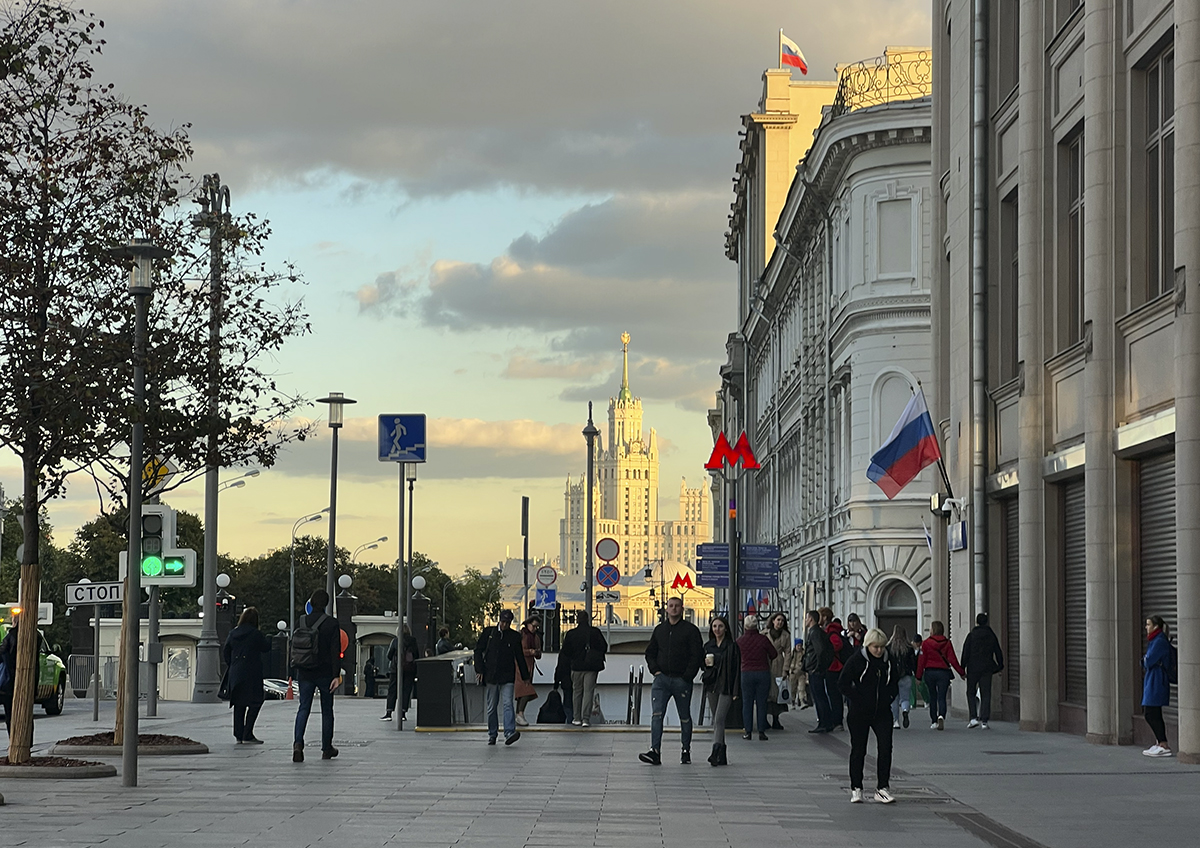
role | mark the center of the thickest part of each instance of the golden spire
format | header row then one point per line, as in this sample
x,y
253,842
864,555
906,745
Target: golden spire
x,y
625,394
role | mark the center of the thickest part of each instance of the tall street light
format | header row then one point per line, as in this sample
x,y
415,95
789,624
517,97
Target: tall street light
x,y
238,482
141,285
213,216
315,516
411,473
590,432
368,546
336,401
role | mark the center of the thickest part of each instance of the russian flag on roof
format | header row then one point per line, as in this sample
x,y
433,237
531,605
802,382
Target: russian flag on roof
x,y
791,55
911,447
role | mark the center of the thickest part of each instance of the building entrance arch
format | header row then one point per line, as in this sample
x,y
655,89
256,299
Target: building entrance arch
x,y
896,603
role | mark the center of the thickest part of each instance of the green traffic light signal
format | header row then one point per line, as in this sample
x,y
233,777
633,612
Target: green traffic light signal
x,y
152,566
174,566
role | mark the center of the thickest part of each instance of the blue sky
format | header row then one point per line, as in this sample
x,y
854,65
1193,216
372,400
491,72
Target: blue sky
x,y
481,197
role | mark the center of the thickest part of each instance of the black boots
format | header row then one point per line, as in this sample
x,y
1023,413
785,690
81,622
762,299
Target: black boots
x,y
717,757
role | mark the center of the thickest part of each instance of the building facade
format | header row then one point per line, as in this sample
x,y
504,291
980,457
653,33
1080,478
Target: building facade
x,y
1066,360
625,508
833,339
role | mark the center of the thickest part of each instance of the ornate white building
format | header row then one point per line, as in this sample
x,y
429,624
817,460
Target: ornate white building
x,y
625,508
833,335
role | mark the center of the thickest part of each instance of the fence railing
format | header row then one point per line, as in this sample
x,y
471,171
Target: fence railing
x,y
890,78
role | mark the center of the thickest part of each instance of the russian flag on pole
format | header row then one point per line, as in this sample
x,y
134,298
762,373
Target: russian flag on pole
x,y
911,446
791,55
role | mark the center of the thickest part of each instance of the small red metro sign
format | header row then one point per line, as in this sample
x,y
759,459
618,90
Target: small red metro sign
x,y
722,454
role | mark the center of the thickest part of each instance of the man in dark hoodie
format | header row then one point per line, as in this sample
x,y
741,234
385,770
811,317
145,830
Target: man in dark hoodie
x,y
318,671
498,658
981,657
674,656
818,656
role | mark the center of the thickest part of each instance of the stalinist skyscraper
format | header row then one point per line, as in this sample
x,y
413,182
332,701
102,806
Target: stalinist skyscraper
x,y
626,501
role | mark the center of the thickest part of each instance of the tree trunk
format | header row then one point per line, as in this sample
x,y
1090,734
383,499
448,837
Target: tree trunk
x,y
20,738
119,728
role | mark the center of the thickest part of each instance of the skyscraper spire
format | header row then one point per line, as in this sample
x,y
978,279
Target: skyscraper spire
x,y
625,394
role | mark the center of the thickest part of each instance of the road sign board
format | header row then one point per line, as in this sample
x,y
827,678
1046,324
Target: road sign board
x,y
608,549
760,566
402,438
713,579
608,575
760,551
712,564
608,597
723,454
545,599
756,580
157,473
547,575
720,550
81,594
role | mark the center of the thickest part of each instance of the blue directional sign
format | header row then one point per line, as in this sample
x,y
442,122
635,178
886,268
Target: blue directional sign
x,y
760,551
713,579
717,550
608,575
712,566
758,580
402,438
545,599
758,566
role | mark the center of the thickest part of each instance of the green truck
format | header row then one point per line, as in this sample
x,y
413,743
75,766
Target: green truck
x,y
52,675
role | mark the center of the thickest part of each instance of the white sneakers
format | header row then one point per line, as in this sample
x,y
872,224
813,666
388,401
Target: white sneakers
x,y
884,797
934,726
1158,751
983,725
941,723
586,724
576,722
856,796
895,725
973,723
521,720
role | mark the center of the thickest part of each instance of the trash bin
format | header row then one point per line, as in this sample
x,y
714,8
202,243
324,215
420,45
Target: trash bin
x,y
435,685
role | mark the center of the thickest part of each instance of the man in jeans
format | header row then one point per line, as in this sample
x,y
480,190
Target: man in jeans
x,y
818,654
498,658
674,656
982,658
323,675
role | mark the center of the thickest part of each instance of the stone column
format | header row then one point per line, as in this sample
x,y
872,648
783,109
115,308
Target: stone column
x,y
1098,266
1187,364
1038,707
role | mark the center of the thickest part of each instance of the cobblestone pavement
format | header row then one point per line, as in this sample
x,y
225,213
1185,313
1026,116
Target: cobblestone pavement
x,y
586,788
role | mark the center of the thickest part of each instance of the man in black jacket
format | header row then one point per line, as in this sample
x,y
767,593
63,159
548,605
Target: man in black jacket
x,y
498,655
323,676
583,649
673,656
981,658
402,674
818,655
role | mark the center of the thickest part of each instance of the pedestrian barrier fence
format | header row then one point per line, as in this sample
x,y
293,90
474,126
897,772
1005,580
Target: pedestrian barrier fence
x,y
81,667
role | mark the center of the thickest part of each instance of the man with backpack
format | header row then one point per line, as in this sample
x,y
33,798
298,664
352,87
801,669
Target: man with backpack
x,y
317,664
818,655
981,657
583,650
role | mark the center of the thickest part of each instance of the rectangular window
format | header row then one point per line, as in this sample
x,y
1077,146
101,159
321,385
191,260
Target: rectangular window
x,y
1008,54
895,237
1070,286
1160,175
1008,292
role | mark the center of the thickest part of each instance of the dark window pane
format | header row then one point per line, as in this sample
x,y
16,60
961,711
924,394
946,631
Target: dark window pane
x,y
1074,275
1168,87
1152,113
1168,212
1152,222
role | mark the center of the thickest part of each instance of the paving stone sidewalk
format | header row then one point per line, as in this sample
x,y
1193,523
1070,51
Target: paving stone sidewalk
x,y
586,788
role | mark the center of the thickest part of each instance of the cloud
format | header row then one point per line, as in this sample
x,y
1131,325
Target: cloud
x,y
441,97
691,385
523,365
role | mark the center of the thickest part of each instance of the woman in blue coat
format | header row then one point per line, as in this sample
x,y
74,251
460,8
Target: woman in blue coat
x,y
1156,688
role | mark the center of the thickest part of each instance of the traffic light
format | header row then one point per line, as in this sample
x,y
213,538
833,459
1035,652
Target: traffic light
x,y
162,563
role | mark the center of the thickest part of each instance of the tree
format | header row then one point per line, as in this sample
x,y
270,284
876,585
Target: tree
x,y
81,171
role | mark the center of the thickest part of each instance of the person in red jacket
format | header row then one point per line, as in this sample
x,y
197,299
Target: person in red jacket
x,y
837,637
933,667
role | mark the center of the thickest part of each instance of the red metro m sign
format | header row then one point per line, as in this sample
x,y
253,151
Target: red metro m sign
x,y
723,454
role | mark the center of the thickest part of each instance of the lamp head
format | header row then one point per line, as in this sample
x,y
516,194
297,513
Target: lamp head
x,y
345,580
418,582
223,581
336,401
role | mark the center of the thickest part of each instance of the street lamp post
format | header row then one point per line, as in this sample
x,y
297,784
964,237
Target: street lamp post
x,y
367,546
336,401
237,482
590,432
141,285
412,480
315,516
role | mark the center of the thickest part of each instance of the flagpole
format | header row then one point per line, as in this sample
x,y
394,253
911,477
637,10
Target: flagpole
x,y
779,52
941,462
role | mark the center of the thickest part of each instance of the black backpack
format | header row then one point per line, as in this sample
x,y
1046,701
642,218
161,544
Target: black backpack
x,y
304,644
848,649
552,711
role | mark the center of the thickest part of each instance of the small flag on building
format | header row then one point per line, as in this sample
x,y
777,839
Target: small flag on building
x,y
790,54
911,446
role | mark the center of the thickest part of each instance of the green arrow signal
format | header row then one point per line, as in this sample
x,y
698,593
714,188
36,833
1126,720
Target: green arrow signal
x,y
174,566
152,566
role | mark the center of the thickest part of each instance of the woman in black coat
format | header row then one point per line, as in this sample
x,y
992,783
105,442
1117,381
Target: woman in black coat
x,y
722,675
870,681
243,655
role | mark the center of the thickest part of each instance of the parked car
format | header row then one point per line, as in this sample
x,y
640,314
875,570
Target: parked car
x,y
275,689
52,676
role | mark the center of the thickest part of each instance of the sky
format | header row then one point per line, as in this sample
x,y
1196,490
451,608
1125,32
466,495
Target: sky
x,y
481,197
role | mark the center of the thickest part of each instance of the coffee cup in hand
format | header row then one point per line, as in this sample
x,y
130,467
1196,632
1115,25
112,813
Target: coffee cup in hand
x,y
709,658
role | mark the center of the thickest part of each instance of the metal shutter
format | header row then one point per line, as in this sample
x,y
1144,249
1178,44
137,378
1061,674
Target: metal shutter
x,y
1156,534
1012,597
1074,565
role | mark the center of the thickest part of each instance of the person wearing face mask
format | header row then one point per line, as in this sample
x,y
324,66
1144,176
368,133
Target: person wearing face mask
x,y
869,682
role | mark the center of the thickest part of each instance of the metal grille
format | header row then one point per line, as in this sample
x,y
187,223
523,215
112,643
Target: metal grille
x,y
1156,540
1074,620
1012,597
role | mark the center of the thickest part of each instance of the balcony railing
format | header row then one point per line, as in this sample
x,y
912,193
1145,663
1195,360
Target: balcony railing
x,y
890,78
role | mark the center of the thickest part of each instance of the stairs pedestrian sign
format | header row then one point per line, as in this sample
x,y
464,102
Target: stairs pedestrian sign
x,y
545,598
402,438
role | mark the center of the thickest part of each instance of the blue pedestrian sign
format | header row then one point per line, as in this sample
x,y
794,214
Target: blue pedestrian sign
x,y
608,575
402,438
545,599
